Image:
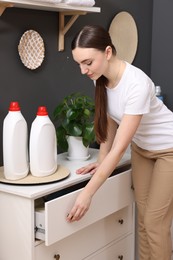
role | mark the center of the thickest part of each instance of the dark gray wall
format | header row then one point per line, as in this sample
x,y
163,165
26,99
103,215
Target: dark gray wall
x,y
162,45
58,75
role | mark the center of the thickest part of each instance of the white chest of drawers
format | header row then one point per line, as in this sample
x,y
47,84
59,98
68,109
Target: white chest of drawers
x,y
106,232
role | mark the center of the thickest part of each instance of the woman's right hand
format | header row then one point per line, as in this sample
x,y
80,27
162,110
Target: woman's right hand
x,y
90,168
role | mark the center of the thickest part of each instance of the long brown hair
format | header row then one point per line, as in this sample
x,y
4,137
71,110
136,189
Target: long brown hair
x,y
94,36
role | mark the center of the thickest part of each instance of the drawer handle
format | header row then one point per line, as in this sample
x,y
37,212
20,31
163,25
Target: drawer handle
x,y
120,257
57,257
121,221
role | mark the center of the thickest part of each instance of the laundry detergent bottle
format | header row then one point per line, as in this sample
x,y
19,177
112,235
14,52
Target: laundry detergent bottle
x,y
15,144
42,145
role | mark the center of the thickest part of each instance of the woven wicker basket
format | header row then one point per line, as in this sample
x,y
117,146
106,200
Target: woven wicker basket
x,y
31,49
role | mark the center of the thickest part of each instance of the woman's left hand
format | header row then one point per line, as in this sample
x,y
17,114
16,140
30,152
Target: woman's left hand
x,y
80,207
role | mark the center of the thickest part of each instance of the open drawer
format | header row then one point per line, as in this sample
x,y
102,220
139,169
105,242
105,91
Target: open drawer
x,y
50,221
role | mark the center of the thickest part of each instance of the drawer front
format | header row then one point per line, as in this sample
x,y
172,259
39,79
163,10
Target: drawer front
x,y
120,223
122,250
94,237
115,194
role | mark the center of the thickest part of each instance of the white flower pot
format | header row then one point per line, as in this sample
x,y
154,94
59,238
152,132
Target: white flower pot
x,y
76,149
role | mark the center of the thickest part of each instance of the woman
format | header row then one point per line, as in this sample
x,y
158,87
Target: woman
x,y
127,111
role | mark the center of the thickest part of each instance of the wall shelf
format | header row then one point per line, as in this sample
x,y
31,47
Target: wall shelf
x,y
63,9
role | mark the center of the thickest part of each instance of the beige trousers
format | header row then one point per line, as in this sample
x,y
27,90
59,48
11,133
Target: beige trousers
x,y
152,175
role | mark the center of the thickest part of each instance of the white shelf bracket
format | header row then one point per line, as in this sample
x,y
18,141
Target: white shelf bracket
x,y
63,29
4,6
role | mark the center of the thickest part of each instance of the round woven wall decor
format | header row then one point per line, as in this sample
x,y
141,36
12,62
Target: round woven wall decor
x,y
31,49
124,34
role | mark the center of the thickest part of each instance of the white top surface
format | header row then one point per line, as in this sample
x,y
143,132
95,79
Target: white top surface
x,y
35,191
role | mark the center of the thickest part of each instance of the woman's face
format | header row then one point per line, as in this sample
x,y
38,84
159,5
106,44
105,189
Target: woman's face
x,y
92,62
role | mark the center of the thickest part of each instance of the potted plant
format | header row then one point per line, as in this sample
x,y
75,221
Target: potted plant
x,y
74,119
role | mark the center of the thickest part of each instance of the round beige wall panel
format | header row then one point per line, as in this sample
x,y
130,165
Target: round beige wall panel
x,y
31,49
123,31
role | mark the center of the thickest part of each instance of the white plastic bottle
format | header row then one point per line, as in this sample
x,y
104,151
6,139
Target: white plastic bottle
x,y
15,146
158,92
43,145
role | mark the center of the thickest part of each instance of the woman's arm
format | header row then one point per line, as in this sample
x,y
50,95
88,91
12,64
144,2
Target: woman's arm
x,y
106,146
123,137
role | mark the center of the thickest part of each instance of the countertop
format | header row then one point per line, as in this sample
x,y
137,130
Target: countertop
x,y
35,191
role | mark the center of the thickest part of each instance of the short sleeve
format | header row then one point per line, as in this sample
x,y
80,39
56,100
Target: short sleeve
x,y
138,99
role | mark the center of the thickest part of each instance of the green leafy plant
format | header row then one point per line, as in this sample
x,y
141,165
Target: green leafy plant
x,y
74,117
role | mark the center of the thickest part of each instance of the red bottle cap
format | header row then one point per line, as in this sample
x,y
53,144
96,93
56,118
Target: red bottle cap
x,y
42,111
14,106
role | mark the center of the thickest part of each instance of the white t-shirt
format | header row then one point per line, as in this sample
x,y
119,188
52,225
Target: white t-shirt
x,y
134,95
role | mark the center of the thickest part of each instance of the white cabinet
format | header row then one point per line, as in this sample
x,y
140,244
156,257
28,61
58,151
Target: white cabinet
x,y
110,219
33,227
